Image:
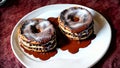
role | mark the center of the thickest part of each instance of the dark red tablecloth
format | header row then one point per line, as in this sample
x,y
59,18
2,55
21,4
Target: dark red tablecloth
x,y
13,10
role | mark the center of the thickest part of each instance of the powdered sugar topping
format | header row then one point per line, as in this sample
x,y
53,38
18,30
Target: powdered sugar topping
x,y
82,14
42,30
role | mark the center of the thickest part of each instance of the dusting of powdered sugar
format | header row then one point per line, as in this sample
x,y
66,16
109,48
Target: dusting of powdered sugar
x,y
28,26
82,14
44,26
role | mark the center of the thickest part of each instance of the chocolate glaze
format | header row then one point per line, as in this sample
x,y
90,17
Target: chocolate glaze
x,y
63,43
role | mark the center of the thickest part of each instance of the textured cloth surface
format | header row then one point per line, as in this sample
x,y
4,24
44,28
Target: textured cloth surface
x,y
13,10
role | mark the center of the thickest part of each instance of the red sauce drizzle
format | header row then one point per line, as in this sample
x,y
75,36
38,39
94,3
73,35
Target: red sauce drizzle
x,y
62,42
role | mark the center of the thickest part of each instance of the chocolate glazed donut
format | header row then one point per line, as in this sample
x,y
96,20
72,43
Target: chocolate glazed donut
x,y
76,23
37,35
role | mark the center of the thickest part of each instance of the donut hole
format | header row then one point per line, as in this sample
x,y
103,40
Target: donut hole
x,y
34,29
75,19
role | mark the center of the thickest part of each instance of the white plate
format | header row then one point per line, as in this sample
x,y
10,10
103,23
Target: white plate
x,y
86,57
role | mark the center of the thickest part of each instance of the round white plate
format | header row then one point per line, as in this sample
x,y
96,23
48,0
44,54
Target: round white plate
x,y
86,57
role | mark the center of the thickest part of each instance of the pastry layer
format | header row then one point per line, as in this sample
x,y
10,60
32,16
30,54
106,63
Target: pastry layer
x,y
50,45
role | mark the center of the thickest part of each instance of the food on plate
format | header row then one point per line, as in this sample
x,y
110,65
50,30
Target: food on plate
x,y
76,23
37,35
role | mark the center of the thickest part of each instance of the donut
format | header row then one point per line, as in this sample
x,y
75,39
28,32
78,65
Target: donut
x,y
76,23
37,35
